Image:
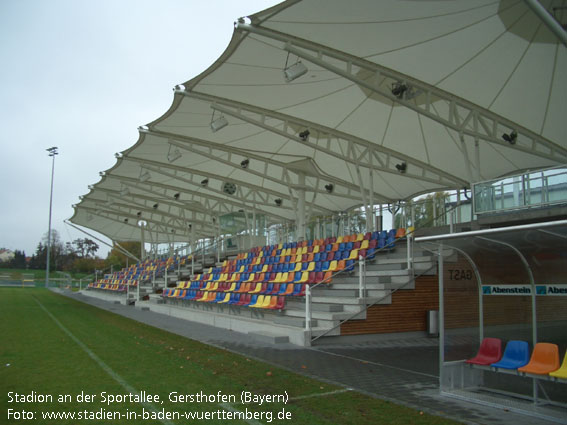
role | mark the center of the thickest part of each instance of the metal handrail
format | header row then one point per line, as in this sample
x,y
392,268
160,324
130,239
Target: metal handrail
x,y
408,237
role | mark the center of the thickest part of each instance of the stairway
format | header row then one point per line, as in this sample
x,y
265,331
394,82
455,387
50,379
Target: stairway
x,y
338,301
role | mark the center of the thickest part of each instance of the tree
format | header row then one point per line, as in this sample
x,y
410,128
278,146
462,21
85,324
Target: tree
x,y
426,210
85,247
19,260
118,260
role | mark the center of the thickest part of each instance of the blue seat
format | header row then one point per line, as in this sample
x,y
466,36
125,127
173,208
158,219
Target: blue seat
x,y
318,266
349,265
317,257
516,354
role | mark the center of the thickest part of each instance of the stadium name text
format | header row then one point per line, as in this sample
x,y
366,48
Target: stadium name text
x,y
540,290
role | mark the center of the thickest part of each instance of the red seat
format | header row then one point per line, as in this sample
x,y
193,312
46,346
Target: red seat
x,y
490,351
280,303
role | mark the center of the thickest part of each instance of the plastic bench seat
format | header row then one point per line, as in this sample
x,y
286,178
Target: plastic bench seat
x,y
545,359
490,351
562,371
516,354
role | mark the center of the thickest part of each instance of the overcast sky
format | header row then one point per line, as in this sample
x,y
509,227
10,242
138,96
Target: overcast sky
x,y
83,75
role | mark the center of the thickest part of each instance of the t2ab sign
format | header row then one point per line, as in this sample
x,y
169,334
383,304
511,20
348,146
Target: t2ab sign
x,y
524,290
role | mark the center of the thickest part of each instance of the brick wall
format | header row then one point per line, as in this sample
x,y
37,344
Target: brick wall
x,y
408,311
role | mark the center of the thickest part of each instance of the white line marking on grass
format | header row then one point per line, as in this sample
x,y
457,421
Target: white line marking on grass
x,y
302,397
375,363
100,362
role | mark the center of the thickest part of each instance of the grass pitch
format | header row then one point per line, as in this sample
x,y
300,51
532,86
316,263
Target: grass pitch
x,y
82,365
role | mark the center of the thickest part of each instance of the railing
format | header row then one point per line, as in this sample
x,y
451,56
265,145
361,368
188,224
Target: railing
x,y
409,237
522,191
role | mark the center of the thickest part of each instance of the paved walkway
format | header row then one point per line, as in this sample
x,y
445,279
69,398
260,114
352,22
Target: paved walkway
x,y
404,371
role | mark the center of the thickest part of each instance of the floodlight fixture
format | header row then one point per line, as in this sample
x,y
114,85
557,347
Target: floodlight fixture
x,y
155,206
304,135
294,71
402,167
126,220
278,202
145,176
511,138
205,182
52,151
219,123
244,164
139,214
176,196
329,187
174,155
398,89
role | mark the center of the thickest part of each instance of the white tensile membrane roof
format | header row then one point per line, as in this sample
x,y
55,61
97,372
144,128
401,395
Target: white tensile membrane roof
x,y
399,98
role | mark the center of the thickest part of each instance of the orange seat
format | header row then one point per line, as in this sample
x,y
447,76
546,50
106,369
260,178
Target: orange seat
x,y
545,359
400,233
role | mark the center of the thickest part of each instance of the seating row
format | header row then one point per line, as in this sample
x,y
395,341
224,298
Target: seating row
x,y
544,359
347,248
137,273
265,301
108,287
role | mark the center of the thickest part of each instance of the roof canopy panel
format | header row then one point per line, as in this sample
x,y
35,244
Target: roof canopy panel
x,y
391,99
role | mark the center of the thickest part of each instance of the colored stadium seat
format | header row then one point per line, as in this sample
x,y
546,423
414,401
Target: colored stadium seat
x,y
516,354
490,351
544,360
562,371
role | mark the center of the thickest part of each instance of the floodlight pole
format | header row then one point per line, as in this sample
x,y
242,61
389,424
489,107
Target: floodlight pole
x,y
52,152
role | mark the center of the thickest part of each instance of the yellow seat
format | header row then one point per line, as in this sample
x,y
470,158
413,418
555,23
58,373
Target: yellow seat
x,y
232,287
562,371
256,289
258,302
353,255
225,300
266,303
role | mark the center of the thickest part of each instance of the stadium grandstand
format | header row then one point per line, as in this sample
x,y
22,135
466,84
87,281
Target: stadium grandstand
x,y
368,168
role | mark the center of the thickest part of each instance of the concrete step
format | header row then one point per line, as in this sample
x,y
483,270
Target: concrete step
x,y
347,301
298,322
299,304
269,337
328,292
322,316
379,273
370,284
379,261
